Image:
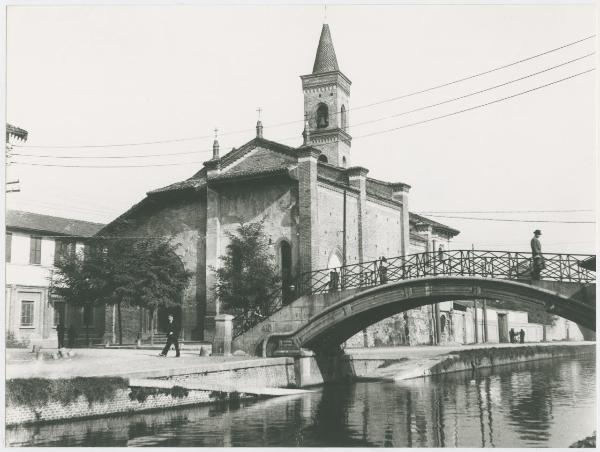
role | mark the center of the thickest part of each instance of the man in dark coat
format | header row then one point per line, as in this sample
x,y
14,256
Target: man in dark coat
x,y
172,338
60,334
537,257
522,336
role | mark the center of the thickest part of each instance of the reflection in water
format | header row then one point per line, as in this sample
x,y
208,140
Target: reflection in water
x,y
545,403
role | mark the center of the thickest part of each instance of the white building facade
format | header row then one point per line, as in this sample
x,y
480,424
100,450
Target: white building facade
x,y
32,243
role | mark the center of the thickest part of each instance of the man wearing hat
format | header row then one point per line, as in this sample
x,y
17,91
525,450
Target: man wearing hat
x,y
537,258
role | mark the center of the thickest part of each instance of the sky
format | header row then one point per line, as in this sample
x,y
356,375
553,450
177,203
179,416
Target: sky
x,y
79,78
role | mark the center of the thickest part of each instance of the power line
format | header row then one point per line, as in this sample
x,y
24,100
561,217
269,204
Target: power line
x,y
475,107
324,144
414,93
513,220
425,212
120,156
469,94
476,75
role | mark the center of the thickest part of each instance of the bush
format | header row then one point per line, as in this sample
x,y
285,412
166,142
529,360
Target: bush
x,y
38,392
141,393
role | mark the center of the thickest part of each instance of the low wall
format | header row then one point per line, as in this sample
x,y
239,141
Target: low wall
x,y
276,372
315,370
121,402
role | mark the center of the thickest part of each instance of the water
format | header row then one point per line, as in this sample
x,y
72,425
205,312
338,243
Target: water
x,y
538,404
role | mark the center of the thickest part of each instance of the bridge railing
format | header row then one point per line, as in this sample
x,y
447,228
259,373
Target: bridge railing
x,y
488,264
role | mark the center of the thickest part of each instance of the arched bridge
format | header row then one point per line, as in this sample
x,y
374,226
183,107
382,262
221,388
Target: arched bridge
x,y
337,303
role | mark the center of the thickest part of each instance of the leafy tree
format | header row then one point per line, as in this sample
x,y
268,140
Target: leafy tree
x,y
248,283
143,272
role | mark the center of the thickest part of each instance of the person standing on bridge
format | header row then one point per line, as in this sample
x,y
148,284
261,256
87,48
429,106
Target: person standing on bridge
x,y
536,255
383,279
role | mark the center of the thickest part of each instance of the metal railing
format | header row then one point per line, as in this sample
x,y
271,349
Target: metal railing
x,y
487,264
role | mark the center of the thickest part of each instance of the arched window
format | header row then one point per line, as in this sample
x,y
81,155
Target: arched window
x,y
322,116
286,271
323,159
343,117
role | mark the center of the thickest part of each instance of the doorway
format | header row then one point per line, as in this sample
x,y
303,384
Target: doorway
x,y
502,328
286,272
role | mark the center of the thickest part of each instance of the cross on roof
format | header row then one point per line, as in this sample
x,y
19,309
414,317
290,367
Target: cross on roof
x,y
259,110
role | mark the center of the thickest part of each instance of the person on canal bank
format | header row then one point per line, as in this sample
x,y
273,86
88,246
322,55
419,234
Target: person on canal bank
x,y
512,333
60,334
522,336
172,338
537,258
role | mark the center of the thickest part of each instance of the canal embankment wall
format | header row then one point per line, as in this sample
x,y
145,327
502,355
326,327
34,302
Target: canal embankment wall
x,y
46,400
317,370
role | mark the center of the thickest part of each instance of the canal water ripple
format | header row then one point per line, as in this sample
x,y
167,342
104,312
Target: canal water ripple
x,y
550,403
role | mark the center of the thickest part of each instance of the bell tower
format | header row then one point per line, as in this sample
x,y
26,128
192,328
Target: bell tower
x,y
327,104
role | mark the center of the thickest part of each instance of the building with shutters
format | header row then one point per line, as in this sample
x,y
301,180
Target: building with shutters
x,y
32,244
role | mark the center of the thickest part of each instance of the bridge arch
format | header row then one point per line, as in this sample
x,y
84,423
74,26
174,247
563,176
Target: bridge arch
x,y
342,320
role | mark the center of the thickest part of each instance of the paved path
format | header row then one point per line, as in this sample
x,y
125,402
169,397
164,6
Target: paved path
x,y
89,362
146,363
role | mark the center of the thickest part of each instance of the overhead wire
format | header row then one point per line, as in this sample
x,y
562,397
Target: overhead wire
x,y
324,144
414,93
503,211
120,156
516,220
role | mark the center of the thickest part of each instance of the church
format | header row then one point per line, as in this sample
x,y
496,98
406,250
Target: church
x,y
319,211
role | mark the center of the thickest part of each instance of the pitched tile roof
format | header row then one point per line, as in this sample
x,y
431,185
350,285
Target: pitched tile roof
x,y
15,132
325,61
16,219
416,218
191,183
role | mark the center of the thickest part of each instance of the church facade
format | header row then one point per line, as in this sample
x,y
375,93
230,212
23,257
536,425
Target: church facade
x,y
318,210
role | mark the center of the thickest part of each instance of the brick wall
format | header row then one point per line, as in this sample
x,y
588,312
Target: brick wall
x,y
383,231
185,221
330,226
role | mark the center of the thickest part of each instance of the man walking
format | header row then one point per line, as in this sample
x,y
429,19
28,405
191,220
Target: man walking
x,y
60,334
172,338
537,258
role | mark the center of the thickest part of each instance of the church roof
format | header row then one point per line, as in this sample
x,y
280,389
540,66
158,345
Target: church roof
x,y
325,61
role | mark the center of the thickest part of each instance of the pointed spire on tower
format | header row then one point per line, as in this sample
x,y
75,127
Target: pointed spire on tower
x,y
216,146
325,61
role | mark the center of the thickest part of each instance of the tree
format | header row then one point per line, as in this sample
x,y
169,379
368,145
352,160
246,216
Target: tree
x,y
248,284
119,271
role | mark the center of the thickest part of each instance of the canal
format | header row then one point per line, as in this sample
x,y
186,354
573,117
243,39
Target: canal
x,y
548,403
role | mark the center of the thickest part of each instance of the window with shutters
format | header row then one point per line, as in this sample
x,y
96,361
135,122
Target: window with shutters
x,y
35,253
27,313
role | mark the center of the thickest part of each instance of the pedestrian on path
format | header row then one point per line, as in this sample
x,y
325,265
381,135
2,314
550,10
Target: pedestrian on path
x,y
537,257
512,334
522,336
172,338
60,334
